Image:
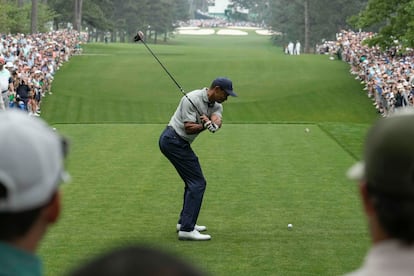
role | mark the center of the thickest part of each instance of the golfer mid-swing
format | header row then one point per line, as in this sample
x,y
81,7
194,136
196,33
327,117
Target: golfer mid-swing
x,y
197,111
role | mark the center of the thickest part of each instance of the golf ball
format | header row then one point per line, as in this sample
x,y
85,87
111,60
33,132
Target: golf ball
x,y
307,129
54,129
290,226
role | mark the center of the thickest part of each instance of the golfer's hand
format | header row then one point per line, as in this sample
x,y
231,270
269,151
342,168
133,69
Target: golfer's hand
x,y
204,119
212,127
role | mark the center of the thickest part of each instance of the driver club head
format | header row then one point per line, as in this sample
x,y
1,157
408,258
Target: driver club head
x,y
139,36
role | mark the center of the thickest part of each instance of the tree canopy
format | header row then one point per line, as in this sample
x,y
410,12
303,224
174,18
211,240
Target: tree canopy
x,y
100,17
394,18
309,21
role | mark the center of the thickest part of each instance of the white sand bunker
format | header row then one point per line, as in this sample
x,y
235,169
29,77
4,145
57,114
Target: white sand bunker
x,y
267,32
243,27
194,31
231,32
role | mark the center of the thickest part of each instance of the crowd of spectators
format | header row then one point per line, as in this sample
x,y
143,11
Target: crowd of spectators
x,y
387,76
32,61
327,47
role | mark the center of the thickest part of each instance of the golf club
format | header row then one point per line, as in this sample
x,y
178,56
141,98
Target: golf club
x,y
140,37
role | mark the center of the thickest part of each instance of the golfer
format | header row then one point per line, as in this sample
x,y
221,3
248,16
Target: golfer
x,y
197,111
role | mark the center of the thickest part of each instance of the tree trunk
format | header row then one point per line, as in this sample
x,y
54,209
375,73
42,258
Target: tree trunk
x,y
20,3
307,26
77,15
122,35
34,17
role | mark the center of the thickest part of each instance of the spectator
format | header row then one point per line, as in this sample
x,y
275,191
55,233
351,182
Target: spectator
x,y
136,260
5,82
386,186
31,169
297,48
291,48
23,93
383,73
38,52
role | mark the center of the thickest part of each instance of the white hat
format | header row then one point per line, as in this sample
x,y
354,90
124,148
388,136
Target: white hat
x,y
31,161
9,64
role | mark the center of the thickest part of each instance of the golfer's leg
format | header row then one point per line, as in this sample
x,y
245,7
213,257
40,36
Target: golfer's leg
x,y
188,167
196,185
182,209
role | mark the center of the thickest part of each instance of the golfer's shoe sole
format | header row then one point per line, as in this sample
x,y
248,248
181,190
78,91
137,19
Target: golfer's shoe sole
x,y
193,236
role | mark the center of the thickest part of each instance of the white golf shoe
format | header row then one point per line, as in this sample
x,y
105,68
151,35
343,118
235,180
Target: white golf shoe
x,y
199,228
193,236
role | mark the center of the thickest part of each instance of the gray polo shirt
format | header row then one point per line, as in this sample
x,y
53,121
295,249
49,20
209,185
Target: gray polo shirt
x,y
187,113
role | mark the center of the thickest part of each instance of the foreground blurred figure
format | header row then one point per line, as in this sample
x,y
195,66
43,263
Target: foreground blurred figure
x,y
31,169
386,184
136,260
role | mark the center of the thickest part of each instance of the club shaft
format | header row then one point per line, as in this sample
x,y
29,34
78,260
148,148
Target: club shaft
x,y
172,78
163,67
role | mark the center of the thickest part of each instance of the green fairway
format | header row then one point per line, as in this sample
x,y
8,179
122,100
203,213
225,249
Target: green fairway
x,y
124,83
263,170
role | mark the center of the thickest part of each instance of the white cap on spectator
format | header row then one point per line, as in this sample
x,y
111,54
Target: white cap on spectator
x,y
31,161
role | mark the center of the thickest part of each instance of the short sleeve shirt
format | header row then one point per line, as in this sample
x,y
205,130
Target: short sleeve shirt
x,y
186,112
14,261
4,79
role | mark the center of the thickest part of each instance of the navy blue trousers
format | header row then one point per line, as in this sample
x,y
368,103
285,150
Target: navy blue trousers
x,y
185,161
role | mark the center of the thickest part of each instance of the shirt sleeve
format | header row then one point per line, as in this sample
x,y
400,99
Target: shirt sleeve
x,y
188,112
218,110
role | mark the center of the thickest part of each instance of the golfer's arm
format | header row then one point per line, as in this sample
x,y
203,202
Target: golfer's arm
x,y
216,119
193,128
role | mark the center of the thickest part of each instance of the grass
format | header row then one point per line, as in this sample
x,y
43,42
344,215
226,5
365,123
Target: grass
x,y
263,170
124,83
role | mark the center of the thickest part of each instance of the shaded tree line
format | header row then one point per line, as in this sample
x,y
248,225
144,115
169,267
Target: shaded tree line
x,y
309,21
120,19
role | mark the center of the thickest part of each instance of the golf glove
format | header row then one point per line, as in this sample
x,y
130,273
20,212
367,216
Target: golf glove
x,y
212,127
207,124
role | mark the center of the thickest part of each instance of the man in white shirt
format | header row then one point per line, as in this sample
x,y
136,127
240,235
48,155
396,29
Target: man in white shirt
x,y
291,48
386,185
297,48
5,81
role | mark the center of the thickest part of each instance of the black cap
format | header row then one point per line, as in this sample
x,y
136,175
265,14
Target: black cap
x,y
225,84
